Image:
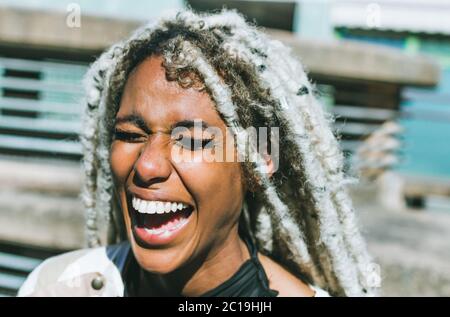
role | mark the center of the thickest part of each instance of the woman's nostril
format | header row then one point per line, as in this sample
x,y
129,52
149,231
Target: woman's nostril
x,y
140,181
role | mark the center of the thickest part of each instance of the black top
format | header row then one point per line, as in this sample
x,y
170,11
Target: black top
x,y
249,281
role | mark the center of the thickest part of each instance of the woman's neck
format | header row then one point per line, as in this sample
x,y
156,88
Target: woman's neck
x,y
201,275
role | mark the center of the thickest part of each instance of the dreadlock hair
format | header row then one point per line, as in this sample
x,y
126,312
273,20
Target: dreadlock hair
x,y
302,216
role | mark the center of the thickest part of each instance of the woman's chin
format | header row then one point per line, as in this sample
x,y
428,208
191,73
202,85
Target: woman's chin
x,y
166,254
158,261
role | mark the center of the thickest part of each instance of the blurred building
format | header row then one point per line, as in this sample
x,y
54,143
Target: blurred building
x,y
425,113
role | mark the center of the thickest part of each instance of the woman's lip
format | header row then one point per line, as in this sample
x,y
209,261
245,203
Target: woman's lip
x,y
145,238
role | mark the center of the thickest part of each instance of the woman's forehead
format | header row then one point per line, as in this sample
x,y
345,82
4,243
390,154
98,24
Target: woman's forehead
x,y
150,95
150,74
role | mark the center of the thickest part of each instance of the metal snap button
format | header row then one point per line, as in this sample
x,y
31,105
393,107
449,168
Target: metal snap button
x,y
98,282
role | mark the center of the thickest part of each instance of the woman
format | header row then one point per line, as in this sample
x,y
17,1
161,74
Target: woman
x,y
181,90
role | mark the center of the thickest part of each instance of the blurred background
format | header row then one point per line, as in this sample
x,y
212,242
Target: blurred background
x,y
381,67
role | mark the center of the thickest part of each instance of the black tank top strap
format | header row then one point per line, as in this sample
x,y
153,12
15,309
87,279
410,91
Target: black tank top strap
x,y
249,281
262,276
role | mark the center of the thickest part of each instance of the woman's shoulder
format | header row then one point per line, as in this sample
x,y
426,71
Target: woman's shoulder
x,y
84,272
287,284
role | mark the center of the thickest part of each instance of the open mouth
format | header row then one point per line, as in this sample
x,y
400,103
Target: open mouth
x,y
157,222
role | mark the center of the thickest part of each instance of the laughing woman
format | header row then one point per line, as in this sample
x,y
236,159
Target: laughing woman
x,y
162,220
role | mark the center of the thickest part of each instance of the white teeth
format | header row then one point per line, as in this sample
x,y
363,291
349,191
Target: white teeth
x,y
143,208
151,209
155,231
140,205
166,230
159,207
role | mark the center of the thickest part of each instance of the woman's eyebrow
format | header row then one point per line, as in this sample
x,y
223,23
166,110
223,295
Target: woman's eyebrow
x,y
190,124
139,122
135,120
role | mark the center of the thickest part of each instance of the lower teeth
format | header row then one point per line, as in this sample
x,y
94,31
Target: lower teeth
x,y
165,229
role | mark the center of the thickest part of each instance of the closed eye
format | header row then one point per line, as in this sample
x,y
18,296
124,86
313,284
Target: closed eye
x,y
131,137
194,144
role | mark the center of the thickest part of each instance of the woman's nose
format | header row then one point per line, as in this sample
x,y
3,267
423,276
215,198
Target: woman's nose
x,y
153,164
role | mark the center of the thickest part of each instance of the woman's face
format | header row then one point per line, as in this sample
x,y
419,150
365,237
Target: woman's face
x,y
157,171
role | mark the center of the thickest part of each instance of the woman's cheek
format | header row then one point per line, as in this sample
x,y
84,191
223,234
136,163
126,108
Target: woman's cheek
x,y
123,157
212,184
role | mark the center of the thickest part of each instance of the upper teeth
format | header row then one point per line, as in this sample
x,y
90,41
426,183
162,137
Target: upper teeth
x,y
154,206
